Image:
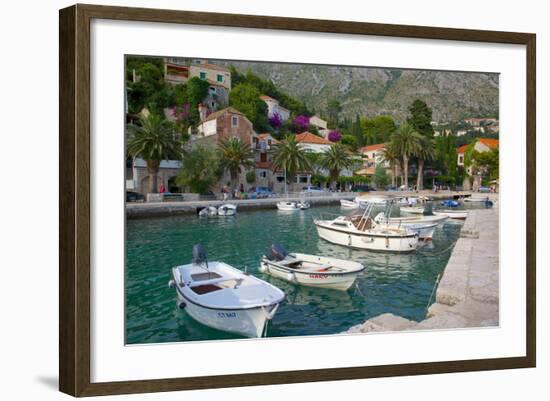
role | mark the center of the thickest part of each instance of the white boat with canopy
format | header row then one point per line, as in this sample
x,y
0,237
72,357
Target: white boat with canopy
x,y
362,232
224,298
423,225
310,270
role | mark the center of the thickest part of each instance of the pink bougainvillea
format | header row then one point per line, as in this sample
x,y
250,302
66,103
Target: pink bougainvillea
x,y
276,121
301,123
334,136
180,112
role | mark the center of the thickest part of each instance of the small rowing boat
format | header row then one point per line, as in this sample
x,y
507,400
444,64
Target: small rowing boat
x,y
310,270
224,298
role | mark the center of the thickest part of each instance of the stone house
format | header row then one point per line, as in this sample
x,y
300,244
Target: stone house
x,y
320,124
217,76
273,107
137,177
222,125
213,73
481,145
264,146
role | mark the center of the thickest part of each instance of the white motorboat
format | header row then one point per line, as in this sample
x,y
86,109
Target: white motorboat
x,y
303,205
310,270
373,200
288,206
222,297
425,227
412,210
208,211
346,204
452,214
362,232
432,219
227,209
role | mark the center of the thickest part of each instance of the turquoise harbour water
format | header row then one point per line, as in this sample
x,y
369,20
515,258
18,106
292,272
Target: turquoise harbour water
x,y
399,284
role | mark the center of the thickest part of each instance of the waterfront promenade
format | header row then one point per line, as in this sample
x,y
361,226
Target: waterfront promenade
x,y
156,209
468,292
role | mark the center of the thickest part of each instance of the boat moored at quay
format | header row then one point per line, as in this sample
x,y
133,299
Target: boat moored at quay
x,y
310,270
362,232
224,298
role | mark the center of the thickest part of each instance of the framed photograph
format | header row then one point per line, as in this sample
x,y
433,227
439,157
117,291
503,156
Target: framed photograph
x,y
236,189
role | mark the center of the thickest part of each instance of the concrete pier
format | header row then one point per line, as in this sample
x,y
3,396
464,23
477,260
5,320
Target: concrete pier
x,y
150,209
156,209
468,292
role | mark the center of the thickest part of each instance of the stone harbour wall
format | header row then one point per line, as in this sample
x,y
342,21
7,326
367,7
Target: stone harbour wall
x,y
468,291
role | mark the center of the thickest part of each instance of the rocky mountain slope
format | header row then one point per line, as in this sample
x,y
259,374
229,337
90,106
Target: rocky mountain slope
x,y
375,91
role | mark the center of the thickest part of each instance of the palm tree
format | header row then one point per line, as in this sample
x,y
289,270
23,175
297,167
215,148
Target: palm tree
x,y
334,160
235,154
154,141
406,141
290,157
425,152
389,153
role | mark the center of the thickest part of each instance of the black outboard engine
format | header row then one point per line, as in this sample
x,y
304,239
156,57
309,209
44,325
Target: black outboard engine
x,y
428,208
276,252
199,255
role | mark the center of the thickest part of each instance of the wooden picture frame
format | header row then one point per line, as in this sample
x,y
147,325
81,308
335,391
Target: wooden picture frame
x,y
74,203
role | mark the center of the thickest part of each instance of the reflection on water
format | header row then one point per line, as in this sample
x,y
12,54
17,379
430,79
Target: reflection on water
x,y
400,284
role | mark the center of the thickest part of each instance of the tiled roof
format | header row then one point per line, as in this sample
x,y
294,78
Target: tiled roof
x,y
266,135
370,148
264,165
219,113
489,142
308,137
265,97
462,149
211,67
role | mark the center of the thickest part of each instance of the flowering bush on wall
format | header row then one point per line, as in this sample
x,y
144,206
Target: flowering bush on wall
x,y
334,136
301,123
180,113
276,121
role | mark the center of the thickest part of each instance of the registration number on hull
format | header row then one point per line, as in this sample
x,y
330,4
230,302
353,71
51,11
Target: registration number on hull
x,y
227,315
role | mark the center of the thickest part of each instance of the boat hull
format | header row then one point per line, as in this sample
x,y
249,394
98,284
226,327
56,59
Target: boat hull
x,y
452,214
245,322
336,281
346,204
380,243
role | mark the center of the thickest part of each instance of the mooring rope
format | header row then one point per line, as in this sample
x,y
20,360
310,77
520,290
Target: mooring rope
x,y
433,291
438,253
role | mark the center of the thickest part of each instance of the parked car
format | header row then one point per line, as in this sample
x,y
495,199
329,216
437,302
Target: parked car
x,y
312,189
132,196
261,192
362,188
208,195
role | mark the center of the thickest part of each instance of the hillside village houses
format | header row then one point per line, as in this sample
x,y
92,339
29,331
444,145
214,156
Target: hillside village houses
x,y
320,124
481,145
219,122
273,107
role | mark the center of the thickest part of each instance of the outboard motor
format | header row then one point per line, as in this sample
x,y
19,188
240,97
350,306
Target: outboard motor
x,y
428,208
276,252
199,255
